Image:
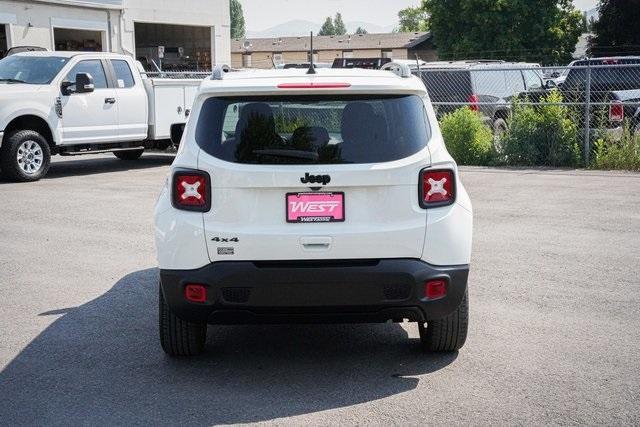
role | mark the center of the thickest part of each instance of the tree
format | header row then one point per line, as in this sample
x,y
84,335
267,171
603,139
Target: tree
x,y
413,19
338,24
616,32
328,29
361,30
238,30
544,31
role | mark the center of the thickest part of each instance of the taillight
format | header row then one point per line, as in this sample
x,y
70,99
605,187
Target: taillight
x,y
616,111
195,293
191,191
435,289
437,188
473,102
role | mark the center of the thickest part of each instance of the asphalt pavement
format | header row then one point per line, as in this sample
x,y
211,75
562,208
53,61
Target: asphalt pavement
x,y
555,317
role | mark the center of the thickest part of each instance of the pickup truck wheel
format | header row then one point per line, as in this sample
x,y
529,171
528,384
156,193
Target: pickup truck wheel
x,y
129,154
448,334
25,156
179,337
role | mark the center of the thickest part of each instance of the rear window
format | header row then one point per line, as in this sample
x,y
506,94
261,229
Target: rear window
x,y
448,85
312,129
606,75
124,76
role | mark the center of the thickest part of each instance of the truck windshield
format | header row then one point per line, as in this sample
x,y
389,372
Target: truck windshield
x,y
313,129
37,70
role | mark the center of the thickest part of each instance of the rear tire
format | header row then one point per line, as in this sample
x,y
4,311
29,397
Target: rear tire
x,y
25,156
179,337
129,154
447,334
500,127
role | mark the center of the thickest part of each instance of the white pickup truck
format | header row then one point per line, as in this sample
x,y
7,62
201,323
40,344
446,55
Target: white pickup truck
x,y
71,103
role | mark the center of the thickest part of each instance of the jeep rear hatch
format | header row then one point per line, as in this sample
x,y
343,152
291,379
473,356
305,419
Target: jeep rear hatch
x,y
314,176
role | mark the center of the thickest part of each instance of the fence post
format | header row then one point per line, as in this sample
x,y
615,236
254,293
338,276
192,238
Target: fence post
x,y
587,117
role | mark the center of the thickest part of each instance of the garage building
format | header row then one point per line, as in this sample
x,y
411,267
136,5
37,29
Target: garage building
x,y
162,34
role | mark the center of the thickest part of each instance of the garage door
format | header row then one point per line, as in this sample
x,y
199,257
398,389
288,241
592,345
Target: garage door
x,y
4,44
78,40
173,47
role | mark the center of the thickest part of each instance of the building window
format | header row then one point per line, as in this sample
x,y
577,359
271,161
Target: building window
x,y
387,53
347,54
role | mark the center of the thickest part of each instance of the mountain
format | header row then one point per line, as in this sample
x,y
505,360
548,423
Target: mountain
x,y
371,28
300,27
296,27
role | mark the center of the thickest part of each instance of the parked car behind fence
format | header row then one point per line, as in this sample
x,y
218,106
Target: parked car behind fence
x,y
607,88
485,86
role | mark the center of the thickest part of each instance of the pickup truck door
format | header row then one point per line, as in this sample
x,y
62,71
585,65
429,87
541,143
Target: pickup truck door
x,y
90,117
132,102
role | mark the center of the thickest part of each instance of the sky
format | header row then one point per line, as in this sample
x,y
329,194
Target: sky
x,y
263,14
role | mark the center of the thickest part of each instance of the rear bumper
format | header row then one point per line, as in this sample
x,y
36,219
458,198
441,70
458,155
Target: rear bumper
x,y
346,291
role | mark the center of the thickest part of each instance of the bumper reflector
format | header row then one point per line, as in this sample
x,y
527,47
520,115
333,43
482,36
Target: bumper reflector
x,y
195,293
435,289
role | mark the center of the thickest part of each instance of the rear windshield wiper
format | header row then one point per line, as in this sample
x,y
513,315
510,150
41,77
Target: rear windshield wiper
x,y
12,81
291,154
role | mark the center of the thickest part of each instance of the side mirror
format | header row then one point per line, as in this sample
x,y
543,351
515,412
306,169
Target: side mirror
x,y
551,84
66,87
84,83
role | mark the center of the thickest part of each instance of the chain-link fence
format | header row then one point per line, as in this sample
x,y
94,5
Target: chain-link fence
x,y
557,116
576,108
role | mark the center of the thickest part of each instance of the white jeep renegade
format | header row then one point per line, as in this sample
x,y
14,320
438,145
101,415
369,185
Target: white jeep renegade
x,y
325,197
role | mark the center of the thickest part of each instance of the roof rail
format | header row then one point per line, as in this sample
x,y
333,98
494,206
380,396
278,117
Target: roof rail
x,y
401,70
219,71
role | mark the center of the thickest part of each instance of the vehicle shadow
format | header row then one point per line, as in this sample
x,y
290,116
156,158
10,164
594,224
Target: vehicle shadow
x,y
101,363
85,165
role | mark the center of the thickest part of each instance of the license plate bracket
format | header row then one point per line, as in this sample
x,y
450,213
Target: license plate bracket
x,y
315,207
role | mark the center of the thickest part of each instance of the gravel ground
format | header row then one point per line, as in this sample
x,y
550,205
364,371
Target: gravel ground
x,y
554,291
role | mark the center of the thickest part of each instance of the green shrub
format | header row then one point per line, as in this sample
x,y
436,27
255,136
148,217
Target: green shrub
x,y
286,124
467,138
622,154
541,135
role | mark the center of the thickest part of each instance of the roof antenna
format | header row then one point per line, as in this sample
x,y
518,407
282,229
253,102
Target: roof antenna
x,y
312,68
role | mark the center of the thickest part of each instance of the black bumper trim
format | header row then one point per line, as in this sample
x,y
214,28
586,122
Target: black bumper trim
x,y
332,291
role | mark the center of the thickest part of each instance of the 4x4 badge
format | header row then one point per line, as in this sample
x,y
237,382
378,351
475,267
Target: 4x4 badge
x,y
225,240
315,179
